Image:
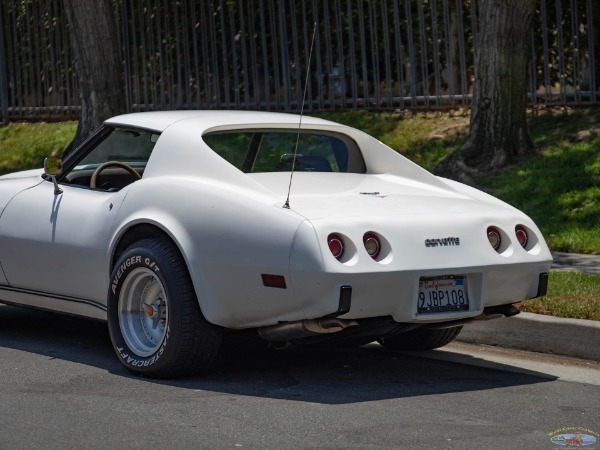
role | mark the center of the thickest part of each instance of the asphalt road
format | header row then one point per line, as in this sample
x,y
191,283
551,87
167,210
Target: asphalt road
x,y
62,388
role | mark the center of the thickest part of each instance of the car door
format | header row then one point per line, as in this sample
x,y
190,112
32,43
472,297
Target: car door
x,y
56,243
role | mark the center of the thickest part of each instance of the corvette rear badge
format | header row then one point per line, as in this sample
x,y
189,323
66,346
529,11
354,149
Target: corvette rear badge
x,y
444,242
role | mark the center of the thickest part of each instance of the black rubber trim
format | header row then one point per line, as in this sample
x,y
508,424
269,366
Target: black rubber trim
x,y
53,296
505,310
542,285
344,303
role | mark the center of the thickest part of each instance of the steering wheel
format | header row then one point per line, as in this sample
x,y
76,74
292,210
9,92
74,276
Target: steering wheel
x,y
122,165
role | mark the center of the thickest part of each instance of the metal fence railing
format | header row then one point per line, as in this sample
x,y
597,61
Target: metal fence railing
x,y
252,54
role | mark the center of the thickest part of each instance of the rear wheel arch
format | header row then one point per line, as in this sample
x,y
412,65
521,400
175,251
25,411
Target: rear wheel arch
x,y
154,319
137,233
180,239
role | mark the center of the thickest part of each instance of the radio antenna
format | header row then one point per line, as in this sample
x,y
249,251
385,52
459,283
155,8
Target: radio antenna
x,y
312,43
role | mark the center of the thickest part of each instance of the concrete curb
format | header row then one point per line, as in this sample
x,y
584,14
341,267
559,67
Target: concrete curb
x,y
538,333
544,334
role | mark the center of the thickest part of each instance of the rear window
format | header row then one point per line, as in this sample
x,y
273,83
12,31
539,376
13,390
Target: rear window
x,y
254,151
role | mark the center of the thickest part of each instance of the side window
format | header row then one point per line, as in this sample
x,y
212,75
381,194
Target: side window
x,y
231,146
116,161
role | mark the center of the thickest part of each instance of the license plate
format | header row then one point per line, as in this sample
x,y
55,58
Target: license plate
x,y
446,293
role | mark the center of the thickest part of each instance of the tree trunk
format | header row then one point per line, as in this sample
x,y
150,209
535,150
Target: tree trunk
x,y
98,63
498,128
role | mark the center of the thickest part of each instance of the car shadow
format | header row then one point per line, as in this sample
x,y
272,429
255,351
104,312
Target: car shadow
x,y
247,367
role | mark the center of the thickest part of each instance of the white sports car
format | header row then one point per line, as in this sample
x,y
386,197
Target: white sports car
x,y
177,227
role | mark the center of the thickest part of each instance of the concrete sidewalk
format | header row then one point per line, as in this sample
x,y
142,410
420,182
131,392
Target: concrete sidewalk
x,y
577,263
544,334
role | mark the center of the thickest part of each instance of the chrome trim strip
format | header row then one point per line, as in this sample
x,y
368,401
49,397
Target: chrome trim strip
x,y
52,302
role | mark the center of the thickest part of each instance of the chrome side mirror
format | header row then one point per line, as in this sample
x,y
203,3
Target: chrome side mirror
x,y
53,168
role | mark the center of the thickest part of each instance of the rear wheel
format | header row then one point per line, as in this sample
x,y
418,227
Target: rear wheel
x,y
421,339
154,319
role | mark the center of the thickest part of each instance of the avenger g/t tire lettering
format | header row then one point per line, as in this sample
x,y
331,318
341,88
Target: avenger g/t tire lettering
x,y
154,319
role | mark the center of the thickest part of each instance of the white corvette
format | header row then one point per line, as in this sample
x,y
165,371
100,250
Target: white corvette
x,y
177,227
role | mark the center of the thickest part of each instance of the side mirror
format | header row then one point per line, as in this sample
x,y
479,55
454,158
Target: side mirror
x,y
53,168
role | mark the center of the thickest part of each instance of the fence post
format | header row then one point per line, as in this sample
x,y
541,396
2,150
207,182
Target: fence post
x,y
252,54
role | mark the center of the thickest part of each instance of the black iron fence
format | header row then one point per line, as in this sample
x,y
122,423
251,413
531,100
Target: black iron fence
x,y
253,54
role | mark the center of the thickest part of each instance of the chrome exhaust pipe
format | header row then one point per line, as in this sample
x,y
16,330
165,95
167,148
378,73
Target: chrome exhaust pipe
x,y
304,328
495,312
489,313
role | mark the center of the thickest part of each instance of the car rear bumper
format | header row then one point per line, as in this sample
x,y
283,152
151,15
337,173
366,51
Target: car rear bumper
x,y
395,294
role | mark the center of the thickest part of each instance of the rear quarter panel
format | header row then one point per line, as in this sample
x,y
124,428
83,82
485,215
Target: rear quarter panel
x,y
228,238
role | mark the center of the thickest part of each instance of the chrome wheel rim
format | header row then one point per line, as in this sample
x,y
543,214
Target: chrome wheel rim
x,y
143,312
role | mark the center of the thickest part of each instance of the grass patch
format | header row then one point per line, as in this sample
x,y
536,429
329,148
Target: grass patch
x,y
559,188
25,145
424,138
570,294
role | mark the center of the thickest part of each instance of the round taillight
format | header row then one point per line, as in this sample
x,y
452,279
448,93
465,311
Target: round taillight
x,y
522,235
494,237
336,245
372,244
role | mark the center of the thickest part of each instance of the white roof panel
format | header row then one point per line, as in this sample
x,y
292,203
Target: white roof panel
x,y
160,120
